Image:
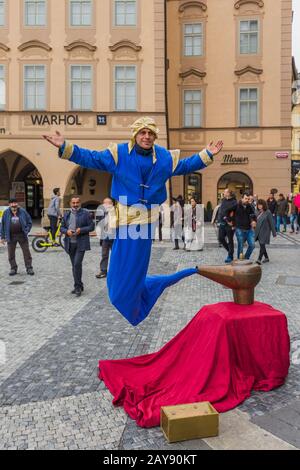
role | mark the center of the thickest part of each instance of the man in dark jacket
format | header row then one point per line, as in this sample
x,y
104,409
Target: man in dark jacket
x,y
282,212
226,225
76,225
245,224
15,227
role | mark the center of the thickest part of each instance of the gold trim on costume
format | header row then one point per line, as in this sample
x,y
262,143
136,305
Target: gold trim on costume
x,y
128,215
207,160
67,153
113,148
175,154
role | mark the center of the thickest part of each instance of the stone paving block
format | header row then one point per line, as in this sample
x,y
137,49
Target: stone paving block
x,y
283,423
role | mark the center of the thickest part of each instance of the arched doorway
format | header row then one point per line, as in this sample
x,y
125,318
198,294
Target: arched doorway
x,y
91,185
236,181
21,179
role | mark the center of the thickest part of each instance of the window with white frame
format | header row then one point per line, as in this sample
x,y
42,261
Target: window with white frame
x,y
125,12
81,12
249,37
2,12
125,88
193,39
35,12
2,88
192,108
34,87
81,87
248,107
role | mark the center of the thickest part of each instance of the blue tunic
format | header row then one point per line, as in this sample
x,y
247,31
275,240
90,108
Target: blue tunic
x,y
137,179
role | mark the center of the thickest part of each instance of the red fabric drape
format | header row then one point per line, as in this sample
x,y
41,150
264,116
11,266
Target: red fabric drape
x,y
225,351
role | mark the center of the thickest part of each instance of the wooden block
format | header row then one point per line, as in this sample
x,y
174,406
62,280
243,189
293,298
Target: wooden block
x,y
191,421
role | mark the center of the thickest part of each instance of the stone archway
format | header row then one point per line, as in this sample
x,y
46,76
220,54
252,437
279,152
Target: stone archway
x,y
91,185
237,181
20,178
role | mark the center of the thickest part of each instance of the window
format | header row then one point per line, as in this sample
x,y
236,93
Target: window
x,y
81,87
81,13
248,107
192,108
2,88
125,88
35,12
249,37
193,39
2,13
34,87
125,13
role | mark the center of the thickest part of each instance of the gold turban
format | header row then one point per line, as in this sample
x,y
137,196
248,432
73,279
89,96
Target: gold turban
x,y
143,123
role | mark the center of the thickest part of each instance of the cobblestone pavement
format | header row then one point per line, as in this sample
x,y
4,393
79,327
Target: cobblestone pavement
x,y
51,341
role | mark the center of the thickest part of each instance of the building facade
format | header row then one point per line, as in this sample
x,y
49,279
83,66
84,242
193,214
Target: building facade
x,y
86,68
296,131
229,78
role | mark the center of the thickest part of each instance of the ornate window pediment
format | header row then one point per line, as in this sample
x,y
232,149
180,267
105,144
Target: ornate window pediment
x,y
81,44
125,43
240,3
193,71
35,43
194,3
247,69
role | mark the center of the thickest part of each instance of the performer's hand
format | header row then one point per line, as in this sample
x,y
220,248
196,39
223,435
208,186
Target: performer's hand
x,y
214,149
70,233
78,231
57,140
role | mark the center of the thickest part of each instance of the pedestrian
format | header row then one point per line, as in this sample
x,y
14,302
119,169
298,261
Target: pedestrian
x,y
253,201
294,215
161,220
272,206
282,211
194,226
140,172
76,226
107,233
54,212
226,223
177,222
245,223
264,226
15,227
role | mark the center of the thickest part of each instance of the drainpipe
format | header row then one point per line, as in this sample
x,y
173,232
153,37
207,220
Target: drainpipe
x,y
166,92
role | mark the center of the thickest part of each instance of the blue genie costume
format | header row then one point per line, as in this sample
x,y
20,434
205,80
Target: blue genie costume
x,y
139,186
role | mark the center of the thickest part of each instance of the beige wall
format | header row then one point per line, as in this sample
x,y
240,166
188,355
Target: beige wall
x,y
219,73
141,45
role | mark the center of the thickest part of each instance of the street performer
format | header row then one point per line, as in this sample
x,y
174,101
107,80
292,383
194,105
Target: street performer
x,y
140,170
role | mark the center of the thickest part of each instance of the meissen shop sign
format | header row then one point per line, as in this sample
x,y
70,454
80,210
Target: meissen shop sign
x,y
229,159
66,119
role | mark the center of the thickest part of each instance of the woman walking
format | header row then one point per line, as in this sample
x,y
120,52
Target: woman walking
x,y
264,226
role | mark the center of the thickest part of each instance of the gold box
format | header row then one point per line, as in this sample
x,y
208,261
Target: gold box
x,y
191,421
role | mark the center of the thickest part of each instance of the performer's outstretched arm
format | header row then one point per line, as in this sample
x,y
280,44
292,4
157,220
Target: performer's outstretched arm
x,y
105,160
195,162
